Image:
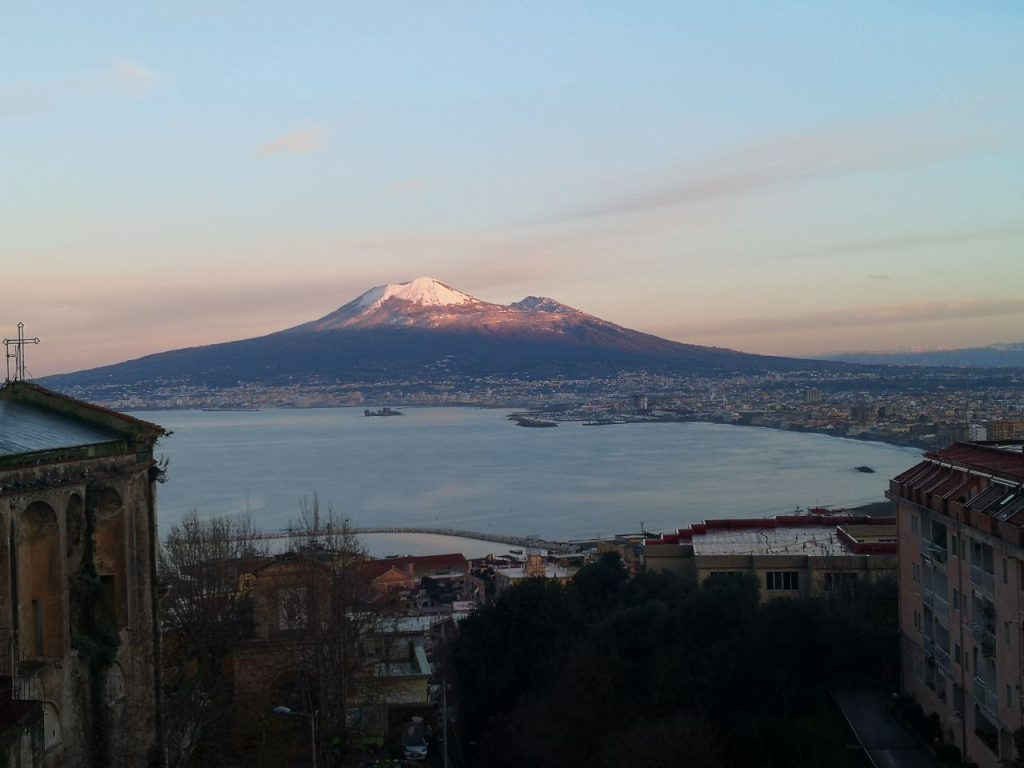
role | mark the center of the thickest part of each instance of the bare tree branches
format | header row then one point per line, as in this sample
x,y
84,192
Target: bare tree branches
x,y
207,611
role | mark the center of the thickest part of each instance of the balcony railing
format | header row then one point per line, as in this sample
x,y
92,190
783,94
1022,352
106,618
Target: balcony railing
x,y
942,660
936,552
986,581
984,635
986,699
941,607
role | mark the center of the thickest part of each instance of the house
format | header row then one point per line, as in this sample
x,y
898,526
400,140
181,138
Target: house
x,y
79,638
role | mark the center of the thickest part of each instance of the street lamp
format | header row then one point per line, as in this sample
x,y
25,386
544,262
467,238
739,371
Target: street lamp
x,y
287,712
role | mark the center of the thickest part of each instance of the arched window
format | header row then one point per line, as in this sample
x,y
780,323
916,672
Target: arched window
x,y
40,582
109,557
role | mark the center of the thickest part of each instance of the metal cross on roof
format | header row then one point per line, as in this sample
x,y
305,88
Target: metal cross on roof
x,y
18,355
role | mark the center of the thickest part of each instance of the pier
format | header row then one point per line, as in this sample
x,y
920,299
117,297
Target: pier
x,y
497,538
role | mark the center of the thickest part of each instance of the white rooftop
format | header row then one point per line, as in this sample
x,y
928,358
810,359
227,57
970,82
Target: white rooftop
x,y
798,540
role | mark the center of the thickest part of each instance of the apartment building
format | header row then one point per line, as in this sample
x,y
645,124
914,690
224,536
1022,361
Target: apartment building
x,y
960,517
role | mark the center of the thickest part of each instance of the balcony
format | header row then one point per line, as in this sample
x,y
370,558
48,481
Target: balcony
x,y
984,635
984,581
940,606
937,552
942,660
986,699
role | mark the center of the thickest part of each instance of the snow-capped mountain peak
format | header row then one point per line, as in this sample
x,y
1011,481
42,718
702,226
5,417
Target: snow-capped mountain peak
x,y
425,291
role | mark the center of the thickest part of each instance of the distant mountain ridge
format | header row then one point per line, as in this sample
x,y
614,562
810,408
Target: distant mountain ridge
x,y
993,356
426,330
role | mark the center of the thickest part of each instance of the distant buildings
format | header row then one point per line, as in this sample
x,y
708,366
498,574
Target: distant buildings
x,y
79,643
362,631
961,575
790,556
534,567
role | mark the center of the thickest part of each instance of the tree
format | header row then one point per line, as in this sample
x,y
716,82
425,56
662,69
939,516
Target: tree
x,y
205,613
333,673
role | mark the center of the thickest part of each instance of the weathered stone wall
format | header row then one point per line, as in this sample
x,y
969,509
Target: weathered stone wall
x,y
77,538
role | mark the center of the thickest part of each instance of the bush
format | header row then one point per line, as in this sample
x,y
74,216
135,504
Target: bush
x,y
948,754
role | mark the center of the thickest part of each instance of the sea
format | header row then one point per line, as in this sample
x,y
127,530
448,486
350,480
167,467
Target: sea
x,y
473,469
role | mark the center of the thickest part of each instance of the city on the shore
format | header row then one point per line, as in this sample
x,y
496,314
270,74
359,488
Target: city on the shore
x,y
209,648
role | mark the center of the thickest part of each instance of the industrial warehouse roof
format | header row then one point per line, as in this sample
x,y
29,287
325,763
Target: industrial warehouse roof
x,y
35,421
29,429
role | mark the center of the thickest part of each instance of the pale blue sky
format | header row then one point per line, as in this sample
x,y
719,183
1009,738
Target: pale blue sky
x,y
782,177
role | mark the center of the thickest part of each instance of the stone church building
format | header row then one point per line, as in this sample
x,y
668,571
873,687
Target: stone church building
x,y
79,641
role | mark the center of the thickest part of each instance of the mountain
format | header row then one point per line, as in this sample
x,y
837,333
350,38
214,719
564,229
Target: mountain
x,y
994,356
426,331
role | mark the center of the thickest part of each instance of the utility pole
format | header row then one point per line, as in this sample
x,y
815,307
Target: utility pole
x,y
444,721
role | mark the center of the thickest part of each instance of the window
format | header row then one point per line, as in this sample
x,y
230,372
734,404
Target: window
x,y
957,653
913,523
1006,571
956,598
1006,631
106,606
291,604
955,540
917,620
1009,696
839,580
915,571
721,574
783,581
37,626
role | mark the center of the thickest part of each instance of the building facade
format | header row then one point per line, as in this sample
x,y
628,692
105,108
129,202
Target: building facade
x,y
960,515
790,556
79,662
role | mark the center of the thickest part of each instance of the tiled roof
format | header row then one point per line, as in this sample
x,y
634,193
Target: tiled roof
x,y
419,565
979,483
1005,459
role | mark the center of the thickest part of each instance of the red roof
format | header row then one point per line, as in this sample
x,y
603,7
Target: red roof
x,y
421,565
984,458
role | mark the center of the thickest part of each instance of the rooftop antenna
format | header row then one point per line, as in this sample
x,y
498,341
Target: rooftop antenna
x,y
18,355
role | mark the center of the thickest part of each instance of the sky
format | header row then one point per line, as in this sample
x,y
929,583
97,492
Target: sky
x,y
792,178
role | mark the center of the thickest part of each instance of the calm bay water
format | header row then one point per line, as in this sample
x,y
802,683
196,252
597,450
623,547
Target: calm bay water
x,y
473,469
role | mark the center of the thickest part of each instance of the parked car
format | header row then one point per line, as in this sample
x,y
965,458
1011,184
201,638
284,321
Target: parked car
x,y
414,740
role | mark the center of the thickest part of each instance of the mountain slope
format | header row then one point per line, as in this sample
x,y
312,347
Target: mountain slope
x,y
425,330
994,356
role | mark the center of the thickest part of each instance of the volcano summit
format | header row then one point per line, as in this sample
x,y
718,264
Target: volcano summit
x,y
425,331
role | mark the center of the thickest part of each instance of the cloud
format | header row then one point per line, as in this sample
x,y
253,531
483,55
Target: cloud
x,y
132,78
860,317
907,242
121,78
409,185
906,140
878,277
301,141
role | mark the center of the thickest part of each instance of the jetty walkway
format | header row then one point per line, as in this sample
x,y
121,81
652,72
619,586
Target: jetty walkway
x,y
497,538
